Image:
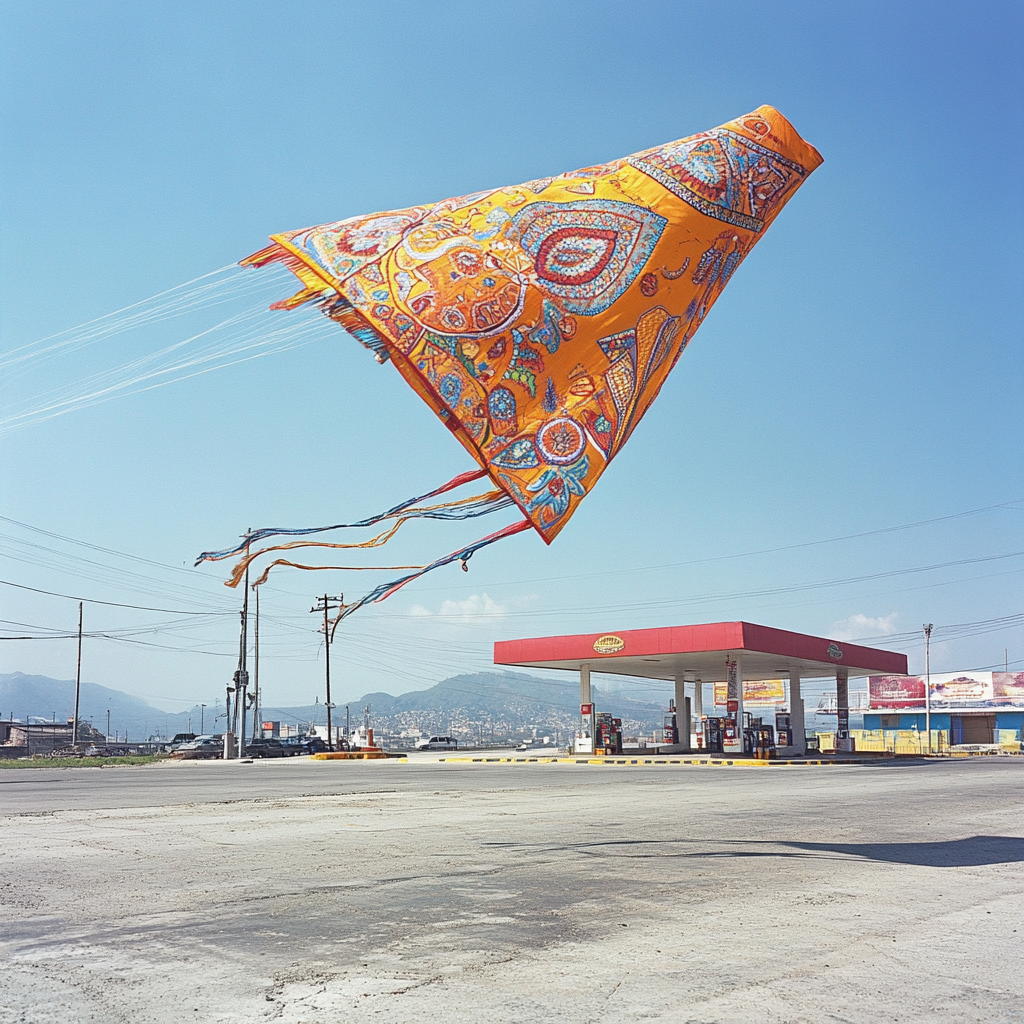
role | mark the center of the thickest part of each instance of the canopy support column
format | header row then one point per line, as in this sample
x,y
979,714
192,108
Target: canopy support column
x,y
844,743
682,714
734,695
585,684
796,716
585,737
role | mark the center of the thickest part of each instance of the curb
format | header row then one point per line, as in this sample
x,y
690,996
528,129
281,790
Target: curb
x,y
369,755
644,761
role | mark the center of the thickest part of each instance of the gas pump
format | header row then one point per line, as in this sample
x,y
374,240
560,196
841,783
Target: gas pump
x,y
729,731
759,740
608,733
784,730
714,734
671,724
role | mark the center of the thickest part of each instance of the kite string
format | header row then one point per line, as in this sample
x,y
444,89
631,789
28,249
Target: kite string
x,y
246,332
159,370
142,313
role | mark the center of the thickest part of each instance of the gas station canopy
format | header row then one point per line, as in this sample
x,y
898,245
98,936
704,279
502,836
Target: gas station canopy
x,y
701,652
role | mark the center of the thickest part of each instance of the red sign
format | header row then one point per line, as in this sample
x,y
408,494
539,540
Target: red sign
x,y
732,707
586,710
896,691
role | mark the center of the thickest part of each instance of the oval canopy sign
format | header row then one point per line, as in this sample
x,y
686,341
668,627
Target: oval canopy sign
x,y
835,652
609,644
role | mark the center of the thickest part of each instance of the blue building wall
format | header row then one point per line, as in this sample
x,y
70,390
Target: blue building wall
x,y
1005,720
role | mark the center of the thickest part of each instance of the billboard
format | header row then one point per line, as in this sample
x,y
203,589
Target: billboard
x,y
961,689
1008,689
950,691
757,693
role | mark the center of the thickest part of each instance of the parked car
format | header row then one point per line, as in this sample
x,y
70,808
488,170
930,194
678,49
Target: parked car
x,y
316,745
295,745
438,743
536,747
265,747
181,738
202,748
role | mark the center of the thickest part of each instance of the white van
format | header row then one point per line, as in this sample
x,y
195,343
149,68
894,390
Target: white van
x,y
438,743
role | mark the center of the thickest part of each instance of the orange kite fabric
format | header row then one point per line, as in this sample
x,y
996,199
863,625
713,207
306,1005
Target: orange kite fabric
x,y
540,321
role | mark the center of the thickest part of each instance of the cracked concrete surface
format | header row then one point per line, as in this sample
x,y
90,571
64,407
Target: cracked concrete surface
x,y
311,892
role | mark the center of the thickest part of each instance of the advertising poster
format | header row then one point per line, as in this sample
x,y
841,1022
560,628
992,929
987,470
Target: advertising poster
x,y
757,693
764,693
961,689
1008,689
895,692
950,691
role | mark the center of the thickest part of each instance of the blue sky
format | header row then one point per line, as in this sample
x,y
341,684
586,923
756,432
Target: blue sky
x,y
862,371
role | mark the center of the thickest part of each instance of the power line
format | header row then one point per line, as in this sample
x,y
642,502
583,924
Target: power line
x,y
109,604
737,595
98,547
1011,505
963,629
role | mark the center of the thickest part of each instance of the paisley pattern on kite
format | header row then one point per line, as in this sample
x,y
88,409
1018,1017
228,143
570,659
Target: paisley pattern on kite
x,y
540,321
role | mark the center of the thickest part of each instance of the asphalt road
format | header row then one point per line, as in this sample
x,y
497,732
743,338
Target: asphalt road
x,y
321,891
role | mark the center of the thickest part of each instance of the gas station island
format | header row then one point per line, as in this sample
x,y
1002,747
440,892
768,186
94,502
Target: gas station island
x,y
726,653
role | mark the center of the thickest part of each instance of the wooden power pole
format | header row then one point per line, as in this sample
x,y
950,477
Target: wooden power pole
x,y
325,605
78,680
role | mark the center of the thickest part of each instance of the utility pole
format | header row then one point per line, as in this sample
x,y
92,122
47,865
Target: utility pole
x,y
229,739
202,720
256,681
78,680
928,683
107,733
241,678
325,606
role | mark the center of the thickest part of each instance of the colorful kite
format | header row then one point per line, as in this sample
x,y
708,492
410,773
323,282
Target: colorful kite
x,y
540,321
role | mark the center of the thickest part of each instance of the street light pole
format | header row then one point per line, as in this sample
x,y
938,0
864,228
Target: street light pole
x,y
202,720
928,683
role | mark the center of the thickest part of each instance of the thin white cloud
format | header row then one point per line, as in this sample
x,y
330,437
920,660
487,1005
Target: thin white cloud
x,y
859,625
476,606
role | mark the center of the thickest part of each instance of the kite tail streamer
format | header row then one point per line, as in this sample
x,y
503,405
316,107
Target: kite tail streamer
x,y
467,508
434,513
385,590
314,568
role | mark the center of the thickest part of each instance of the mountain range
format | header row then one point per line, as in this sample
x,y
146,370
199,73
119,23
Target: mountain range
x,y
510,699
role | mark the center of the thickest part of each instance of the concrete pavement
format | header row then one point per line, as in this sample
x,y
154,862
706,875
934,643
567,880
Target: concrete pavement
x,y
300,891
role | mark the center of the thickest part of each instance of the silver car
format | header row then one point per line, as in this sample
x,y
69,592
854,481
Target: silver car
x,y
438,743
